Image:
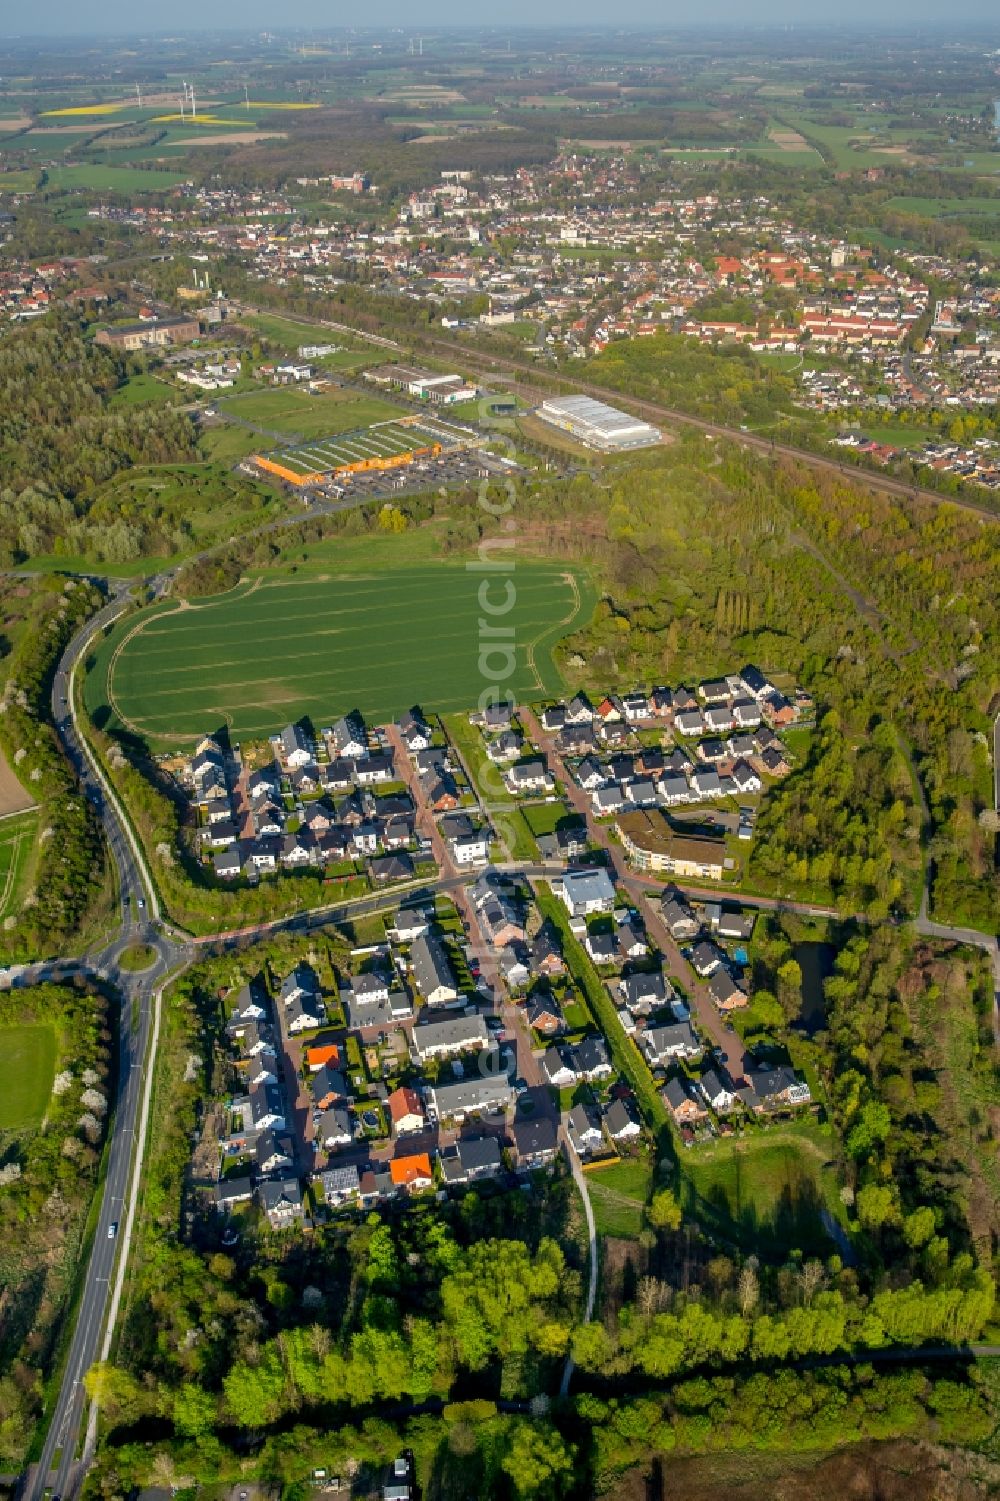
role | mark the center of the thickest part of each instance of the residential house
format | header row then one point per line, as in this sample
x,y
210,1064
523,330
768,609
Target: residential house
x,y
349,738
395,867
717,1091
432,971
621,1122
329,1087
281,1201
273,1153
334,1128
601,946
644,992
683,1105
340,1185
228,864
413,1174
248,1006
473,1096
689,723
530,776
294,747
545,1014
584,1131
415,731
578,710
472,1159
536,1142
304,1016
450,1036
321,1054
406,1111
469,845
590,774
775,1087
584,892
232,1191
715,691
746,779
676,1040
607,800
300,985
678,916
706,958
505,747
725,992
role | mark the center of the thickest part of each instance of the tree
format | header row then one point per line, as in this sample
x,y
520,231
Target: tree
x,y
664,1212
876,1206
194,1410
538,1460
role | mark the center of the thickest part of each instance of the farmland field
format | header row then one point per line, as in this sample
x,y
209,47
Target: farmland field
x,y
27,1067
113,179
283,647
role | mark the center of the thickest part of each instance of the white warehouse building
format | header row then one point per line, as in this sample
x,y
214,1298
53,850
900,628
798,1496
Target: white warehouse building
x,y
597,424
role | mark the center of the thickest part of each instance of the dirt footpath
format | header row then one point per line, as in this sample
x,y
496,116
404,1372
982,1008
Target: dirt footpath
x,y
13,798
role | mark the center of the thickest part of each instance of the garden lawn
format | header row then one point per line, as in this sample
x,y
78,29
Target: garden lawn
x,y
27,1068
284,647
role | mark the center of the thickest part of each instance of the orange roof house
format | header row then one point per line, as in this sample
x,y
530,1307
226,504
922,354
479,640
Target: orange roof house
x,y
405,1109
327,1052
411,1173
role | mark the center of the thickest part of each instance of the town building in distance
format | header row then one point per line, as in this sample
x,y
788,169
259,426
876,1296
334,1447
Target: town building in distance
x,y
598,425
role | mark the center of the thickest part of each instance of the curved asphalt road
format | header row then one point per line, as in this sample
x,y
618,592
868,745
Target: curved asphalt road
x,y
58,1466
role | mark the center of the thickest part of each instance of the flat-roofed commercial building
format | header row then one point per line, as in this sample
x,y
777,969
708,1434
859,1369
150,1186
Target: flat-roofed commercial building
x,y
596,424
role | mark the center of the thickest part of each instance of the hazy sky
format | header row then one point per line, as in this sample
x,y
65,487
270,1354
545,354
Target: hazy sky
x,y
75,17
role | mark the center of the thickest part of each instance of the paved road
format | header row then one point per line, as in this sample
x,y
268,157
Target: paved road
x,y
138,913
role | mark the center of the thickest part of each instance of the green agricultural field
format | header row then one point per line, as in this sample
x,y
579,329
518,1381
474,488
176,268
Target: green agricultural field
x,y
17,843
113,179
770,1189
283,647
27,1068
297,414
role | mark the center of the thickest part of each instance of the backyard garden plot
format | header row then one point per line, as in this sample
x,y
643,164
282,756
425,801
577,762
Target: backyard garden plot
x,y
283,648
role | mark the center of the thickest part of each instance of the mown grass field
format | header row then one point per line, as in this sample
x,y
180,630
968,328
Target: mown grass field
x,y
618,1196
767,1189
298,413
282,647
17,842
27,1068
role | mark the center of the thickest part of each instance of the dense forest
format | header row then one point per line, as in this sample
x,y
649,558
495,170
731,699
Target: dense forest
x,y
61,440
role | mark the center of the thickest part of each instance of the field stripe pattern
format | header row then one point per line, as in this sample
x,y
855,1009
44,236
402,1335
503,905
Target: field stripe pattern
x,y
318,646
